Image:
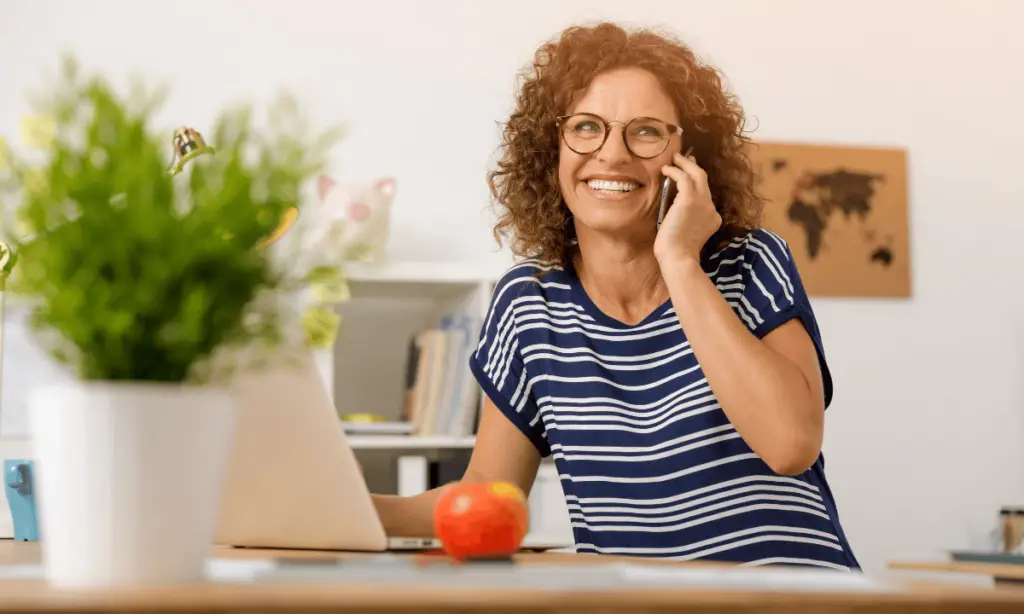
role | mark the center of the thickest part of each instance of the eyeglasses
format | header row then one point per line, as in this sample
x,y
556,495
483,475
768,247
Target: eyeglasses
x,y
645,137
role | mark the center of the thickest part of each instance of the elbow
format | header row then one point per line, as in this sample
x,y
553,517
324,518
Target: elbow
x,y
797,455
792,464
797,445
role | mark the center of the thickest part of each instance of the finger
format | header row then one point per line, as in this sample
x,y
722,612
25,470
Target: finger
x,y
688,164
684,183
691,168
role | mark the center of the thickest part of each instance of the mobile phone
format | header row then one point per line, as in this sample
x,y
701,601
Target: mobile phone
x,y
668,193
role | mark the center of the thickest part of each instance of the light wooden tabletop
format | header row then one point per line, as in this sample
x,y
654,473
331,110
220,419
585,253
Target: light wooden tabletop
x,y
996,571
24,596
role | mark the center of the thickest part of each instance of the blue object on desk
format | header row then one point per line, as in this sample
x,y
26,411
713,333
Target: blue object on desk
x,y
18,483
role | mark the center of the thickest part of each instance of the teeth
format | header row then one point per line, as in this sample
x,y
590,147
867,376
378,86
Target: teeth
x,y
613,186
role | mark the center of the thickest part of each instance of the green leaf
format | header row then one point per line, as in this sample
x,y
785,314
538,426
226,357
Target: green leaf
x,y
134,273
321,325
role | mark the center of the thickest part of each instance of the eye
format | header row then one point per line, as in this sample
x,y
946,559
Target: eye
x,y
648,131
587,126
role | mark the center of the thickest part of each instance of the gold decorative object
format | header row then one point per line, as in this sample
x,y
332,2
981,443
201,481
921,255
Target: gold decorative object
x,y
287,221
320,322
189,143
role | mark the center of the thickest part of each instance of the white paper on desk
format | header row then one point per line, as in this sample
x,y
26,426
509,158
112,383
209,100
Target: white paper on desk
x,y
561,577
217,570
237,570
391,570
793,579
21,572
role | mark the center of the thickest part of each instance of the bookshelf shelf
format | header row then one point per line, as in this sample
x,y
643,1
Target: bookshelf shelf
x,y
419,273
403,348
395,307
410,442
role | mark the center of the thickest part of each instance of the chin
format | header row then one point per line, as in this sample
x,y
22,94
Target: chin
x,y
611,223
611,217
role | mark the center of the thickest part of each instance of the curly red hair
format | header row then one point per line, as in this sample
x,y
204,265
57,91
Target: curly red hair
x,y
525,183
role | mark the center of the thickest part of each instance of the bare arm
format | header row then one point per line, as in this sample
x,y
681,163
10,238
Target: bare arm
x,y
502,453
771,389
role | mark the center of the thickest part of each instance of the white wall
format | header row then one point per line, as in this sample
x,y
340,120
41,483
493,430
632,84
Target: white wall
x,y
922,441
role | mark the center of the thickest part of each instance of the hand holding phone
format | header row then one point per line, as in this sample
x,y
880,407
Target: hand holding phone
x,y
686,236
668,192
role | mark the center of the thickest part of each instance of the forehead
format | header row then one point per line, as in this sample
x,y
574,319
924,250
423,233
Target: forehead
x,y
623,94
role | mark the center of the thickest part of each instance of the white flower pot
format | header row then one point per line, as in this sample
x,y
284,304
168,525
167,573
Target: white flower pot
x,y
129,480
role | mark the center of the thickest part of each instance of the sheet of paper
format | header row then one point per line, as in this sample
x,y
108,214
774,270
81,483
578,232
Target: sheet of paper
x,y
404,571
21,572
217,570
789,579
237,570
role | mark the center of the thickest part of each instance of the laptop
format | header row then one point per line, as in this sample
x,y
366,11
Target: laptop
x,y
292,480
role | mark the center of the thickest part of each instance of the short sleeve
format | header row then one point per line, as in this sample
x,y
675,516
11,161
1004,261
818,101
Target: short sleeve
x,y
498,365
772,294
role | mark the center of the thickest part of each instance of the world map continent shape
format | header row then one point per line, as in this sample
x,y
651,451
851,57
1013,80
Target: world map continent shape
x,y
819,196
844,212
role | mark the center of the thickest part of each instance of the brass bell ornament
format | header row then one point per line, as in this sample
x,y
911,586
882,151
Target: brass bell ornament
x,y
188,143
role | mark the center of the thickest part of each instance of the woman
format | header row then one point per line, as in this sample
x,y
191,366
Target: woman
x,y
675,373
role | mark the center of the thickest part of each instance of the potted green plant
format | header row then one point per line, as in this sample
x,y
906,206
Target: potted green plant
x,y
150,279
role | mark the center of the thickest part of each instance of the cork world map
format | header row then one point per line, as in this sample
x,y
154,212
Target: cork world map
x,y
843,211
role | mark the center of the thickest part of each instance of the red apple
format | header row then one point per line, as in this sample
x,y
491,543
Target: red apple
x,y
485,520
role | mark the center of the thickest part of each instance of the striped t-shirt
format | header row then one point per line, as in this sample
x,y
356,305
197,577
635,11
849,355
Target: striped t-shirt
x,y
649,463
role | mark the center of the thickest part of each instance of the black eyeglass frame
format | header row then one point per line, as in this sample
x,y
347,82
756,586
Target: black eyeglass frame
x,y
561,119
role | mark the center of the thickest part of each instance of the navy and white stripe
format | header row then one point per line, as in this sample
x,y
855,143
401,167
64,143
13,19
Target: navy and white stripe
x,y
648,461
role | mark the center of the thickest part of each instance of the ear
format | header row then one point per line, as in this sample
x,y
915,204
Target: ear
x,y
386,186
324,185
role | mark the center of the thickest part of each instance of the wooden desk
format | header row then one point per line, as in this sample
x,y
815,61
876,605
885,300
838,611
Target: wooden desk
x,y
23,597
1000,573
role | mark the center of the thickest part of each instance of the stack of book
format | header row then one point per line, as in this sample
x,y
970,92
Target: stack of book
x,y
441,396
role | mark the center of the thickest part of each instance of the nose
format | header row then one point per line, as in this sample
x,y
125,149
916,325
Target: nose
x,y
614,150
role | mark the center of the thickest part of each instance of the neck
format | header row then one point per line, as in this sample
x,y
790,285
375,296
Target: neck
x,y
622,277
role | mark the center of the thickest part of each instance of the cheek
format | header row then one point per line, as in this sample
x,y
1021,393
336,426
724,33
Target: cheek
x,y
569,164
654,165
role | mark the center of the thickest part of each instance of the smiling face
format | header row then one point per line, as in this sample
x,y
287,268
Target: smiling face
x,y
612,191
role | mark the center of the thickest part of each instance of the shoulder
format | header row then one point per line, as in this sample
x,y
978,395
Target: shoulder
x,y
758,244
757,272
524,289
761,254
530,280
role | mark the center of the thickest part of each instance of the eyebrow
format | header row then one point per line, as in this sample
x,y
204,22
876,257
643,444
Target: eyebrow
x,y
616,120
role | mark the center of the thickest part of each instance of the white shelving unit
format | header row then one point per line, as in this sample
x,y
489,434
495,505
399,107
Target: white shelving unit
x,y
410,442
391,302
